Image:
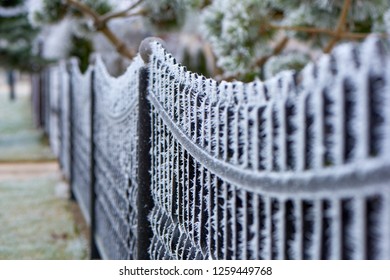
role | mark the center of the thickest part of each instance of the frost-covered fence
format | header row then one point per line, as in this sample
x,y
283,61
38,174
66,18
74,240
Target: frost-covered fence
x,y
184,167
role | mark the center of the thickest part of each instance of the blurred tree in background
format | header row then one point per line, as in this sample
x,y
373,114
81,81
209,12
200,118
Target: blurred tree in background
x,y
261,37
227,39
115,29
17,37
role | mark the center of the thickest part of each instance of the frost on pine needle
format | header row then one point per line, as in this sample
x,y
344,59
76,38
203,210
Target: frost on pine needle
x,y
245,34
231,27
287,61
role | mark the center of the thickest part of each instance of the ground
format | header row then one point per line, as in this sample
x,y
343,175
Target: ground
x,y
38,221
19,139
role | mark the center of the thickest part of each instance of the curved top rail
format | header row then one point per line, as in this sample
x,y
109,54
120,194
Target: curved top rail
x,y
281,182
74,65
115,93
101,66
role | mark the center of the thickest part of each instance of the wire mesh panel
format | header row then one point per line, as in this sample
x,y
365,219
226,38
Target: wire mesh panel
x,y
115,141
292,168
64,134
81,135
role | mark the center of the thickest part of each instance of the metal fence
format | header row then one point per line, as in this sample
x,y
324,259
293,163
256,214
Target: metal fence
x,y
167,164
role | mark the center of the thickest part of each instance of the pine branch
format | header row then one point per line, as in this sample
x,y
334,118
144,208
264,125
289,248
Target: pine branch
x,y
337,34
84,9
329,32
277,50
340,26
210,59
124,13
102,26
280,46
120,46
139,13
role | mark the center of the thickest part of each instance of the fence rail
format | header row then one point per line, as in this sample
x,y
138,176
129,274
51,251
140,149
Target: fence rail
x,y
167,164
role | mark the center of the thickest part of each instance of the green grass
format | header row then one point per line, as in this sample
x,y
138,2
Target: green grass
x,y
19,139
35,223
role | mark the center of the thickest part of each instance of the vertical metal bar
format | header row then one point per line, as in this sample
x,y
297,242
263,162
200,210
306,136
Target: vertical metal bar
x,y
94,252
145,200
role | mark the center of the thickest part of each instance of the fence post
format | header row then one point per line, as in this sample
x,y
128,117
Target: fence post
x,y
144,202
70,121
94,252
